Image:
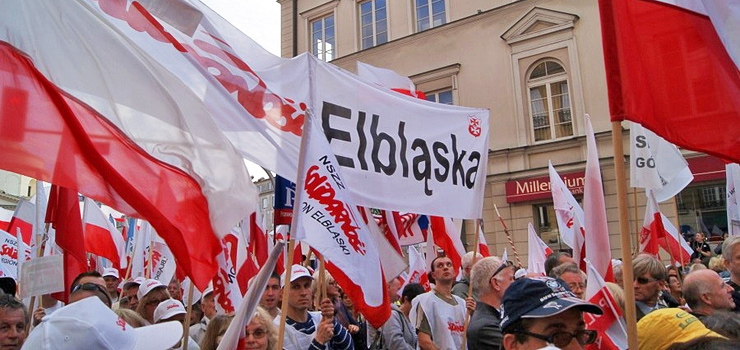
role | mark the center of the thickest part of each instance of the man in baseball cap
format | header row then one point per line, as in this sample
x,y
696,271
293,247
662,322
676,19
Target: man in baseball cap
x,y
112,280
541,311
89,324
131,290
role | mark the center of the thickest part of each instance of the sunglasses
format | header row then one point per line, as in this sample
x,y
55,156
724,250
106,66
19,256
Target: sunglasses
x,y
562,339
258,333
504,265
95,288
645,280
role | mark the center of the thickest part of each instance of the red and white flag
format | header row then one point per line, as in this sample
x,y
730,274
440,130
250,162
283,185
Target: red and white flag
x,y
229,285
677,77
63,213
598,249
416,232
23,219
393,261
164,266
326,218
733,198
658,231
446,232
611,327
538,252
9,254
387,78
482,244
142,243
5,217
393,227
418,269
156,157
101,237
569,216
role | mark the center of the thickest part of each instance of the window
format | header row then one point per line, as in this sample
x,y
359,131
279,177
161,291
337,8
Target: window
x,y
440,97
264,202
322,38
549,101
429,14
373,23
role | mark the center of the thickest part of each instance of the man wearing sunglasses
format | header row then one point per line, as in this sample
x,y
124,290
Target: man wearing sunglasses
x,y
490,277
650,278
539,312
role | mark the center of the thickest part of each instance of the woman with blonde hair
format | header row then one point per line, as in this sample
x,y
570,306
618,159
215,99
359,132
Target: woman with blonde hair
x,y
151,293
261,332
215,331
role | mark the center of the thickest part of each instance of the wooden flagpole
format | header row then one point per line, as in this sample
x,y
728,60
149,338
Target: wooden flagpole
x,y
286,288
322,278
627,274
636,248
470,284
188,316
508,236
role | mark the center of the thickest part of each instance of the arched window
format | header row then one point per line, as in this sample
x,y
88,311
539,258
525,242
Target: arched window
x,y
549,101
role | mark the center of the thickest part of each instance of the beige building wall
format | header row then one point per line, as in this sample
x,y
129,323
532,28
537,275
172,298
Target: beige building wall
x,y
484,55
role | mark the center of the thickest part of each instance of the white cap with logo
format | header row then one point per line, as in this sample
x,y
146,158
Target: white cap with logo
x,y
148,286
110,272
167,309
296,272
89,324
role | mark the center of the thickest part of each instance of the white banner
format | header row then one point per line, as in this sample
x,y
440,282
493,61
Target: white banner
x,y
733,209
9,253
44,275
656,164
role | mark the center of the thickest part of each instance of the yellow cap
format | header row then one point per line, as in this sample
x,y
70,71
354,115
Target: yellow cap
x,y
662,328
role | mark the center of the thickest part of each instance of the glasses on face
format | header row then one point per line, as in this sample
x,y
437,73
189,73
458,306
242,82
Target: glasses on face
x,y
504,265
258,333
562,339
92,287
645,280
155,302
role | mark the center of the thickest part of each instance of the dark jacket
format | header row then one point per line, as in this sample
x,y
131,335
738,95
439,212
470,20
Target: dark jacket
x,y
484,330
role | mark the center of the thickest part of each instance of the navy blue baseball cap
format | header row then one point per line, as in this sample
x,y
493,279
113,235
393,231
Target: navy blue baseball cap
x,y
540,297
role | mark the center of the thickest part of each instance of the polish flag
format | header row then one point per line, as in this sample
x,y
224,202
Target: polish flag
x,y
658,231
394,226
393,261
23,219
446,234
538,252
598,249
569,216
611,327
351,253
418,269
226,287
101,237
180,171
63,213
677,77
482,244
5,217
389,79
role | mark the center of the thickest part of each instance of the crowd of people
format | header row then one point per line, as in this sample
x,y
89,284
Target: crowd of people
x,y
494,305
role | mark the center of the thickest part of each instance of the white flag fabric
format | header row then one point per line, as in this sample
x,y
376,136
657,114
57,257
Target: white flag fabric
x,y
163,261
538,252
383,77
393,262
9,254
733,209
610,325
142,244
569,216
656,164
418,268
598,249
658,231
326,219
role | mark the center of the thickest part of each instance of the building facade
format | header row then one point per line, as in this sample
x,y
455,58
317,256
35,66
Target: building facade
x,y
537,65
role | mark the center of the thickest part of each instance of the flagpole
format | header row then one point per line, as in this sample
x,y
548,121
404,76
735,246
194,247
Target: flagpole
x,y
188,316
286,288
322,278
470,285
627,275
136,245
636,247
508,236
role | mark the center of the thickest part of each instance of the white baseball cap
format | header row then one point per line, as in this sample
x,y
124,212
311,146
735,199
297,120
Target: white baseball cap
x,y
167,309
112,272
296,272
148,286
137,281
89,324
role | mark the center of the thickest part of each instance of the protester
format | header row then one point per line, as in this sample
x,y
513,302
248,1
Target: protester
x,y
208,306
341,314
675,288
460,288
702,250
618,275
555,259
131,317
731,256
357,322
13,322
89,289
572,276
490,277
617,293
397,332
215,331
661,328
541,310
131,290
726,323
706,292
8,285
438,315
175,289
706,343
310,330
271,296
150,294
89,324
650,275
173,310
49,304
112,280
260,333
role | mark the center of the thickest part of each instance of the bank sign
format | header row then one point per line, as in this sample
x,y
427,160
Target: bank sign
x,y
523,190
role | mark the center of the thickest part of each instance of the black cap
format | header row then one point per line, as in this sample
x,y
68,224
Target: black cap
x,y
539,297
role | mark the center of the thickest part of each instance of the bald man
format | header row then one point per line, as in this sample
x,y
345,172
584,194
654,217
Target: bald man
x,y
706,292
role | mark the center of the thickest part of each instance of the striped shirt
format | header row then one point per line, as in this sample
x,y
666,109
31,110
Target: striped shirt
x,y
340,341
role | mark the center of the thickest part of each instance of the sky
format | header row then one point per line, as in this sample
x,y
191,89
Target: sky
x,y
260,20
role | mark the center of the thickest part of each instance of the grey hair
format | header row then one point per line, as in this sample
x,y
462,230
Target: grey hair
x,y
481,273
728,246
